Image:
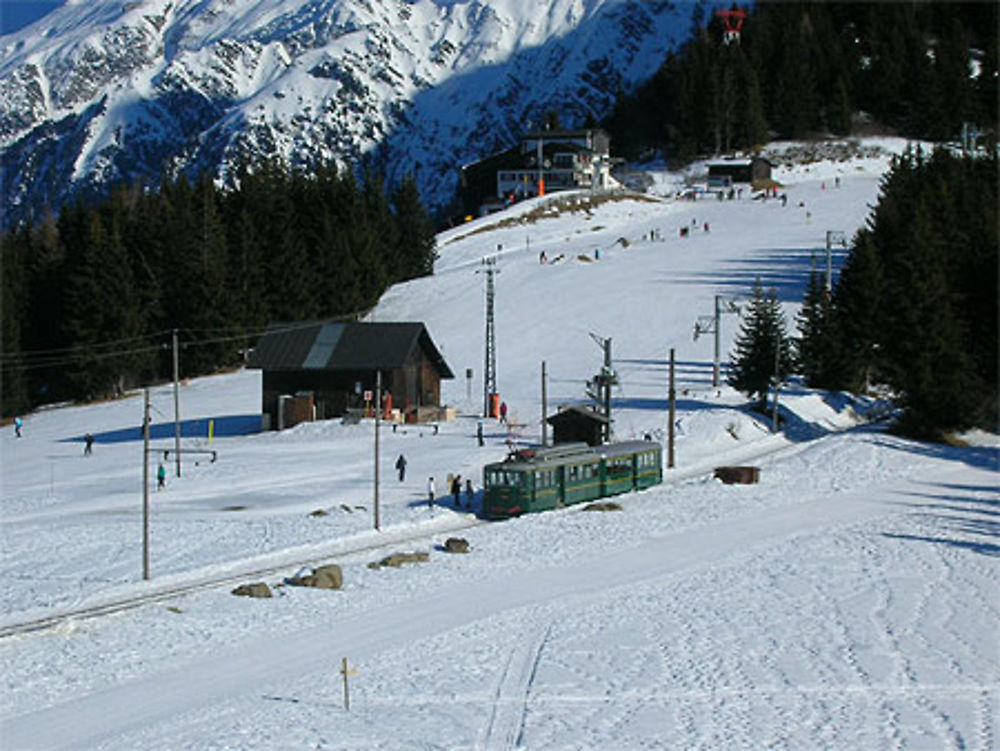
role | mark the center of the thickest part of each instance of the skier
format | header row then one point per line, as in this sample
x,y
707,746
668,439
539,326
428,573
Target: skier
x,y
88,441
401,467
479,432
503,412
456,490
17,426
430,493
161,477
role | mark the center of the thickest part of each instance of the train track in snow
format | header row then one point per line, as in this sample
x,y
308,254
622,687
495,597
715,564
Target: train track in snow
x,y
161,593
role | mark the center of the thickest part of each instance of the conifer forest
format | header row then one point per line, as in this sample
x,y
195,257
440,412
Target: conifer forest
x,y
92,297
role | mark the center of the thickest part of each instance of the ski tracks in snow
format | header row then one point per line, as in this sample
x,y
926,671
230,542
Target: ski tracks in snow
x,y
505,729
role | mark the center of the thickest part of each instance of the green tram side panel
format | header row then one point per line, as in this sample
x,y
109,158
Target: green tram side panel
x,y
581,485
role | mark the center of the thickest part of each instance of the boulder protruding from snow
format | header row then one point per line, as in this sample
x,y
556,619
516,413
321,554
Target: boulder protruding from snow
x,y
255,589
738,475
324,577
398,559
456,545
603,506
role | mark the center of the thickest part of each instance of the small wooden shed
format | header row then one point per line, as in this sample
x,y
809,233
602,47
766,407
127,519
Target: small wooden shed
x,y
573,424
332,366
753,170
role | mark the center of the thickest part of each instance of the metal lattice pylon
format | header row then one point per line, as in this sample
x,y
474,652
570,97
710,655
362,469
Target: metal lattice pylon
x,y
490,364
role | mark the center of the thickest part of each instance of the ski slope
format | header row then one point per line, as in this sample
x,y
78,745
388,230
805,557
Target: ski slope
x,y
849,600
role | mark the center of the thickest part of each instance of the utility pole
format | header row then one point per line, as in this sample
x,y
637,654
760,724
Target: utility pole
x,y
832,236
177,408
145,485
545,425
599,387
713,325
378,412
609,378
777,385
672,401
540,157
490,367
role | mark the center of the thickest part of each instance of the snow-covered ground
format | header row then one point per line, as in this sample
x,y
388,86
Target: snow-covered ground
x,y
849,600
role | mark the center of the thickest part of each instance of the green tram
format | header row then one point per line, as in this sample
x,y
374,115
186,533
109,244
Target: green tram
x,y
547,478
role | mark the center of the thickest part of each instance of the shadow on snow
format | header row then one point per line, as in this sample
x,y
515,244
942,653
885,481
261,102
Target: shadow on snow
x,y
226,426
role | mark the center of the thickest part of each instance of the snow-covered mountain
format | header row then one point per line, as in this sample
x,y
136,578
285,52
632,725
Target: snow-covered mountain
x,y
97,91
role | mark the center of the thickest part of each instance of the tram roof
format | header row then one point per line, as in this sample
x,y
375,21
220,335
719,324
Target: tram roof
x,y
571,453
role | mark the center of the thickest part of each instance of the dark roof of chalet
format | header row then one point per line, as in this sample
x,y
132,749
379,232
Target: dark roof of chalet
x,y
346,346
578,133
744,162
575,412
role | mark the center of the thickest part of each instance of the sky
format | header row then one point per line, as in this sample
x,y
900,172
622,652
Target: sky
x,y
16,14
850,599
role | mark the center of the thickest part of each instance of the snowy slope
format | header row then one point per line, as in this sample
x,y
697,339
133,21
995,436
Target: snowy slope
x,y
850,600
98,92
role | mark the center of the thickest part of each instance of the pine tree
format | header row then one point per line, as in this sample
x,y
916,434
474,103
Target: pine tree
x,y
105,326
763,347
414,231
817,346
857,307
14,249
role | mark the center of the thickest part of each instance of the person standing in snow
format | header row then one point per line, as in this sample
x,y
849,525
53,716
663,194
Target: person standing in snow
x,y
479,432
88,444
469,492
401,467
161,477
503,412
17,426
430,493
456,490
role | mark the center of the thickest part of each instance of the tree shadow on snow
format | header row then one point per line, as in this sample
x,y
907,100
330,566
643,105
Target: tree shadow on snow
x,y
785,270
967,511
226,426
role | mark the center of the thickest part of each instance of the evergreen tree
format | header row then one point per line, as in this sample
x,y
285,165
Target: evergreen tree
x,y
105,323
14,249
414,231
856,318
763,348
818,353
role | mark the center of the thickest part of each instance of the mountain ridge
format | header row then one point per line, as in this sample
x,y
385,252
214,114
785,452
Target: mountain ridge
x,y
156,88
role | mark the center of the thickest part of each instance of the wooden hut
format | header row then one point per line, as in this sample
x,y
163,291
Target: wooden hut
x,y
574,424
331,366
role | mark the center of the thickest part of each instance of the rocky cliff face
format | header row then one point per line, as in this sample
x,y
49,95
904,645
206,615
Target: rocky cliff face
x,y
99,92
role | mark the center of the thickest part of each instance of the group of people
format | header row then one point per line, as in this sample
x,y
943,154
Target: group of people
x,y
456,492
455,487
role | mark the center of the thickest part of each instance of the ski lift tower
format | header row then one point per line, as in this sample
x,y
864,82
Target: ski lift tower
x,y
490,366
732,23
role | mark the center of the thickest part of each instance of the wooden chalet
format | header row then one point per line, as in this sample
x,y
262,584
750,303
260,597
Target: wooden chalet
x,y
324,369
727,172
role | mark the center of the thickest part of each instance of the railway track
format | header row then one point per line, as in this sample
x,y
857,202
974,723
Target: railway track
x,y
230,578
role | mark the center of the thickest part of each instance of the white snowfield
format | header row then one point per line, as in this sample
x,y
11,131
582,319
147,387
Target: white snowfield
x,y
850,600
